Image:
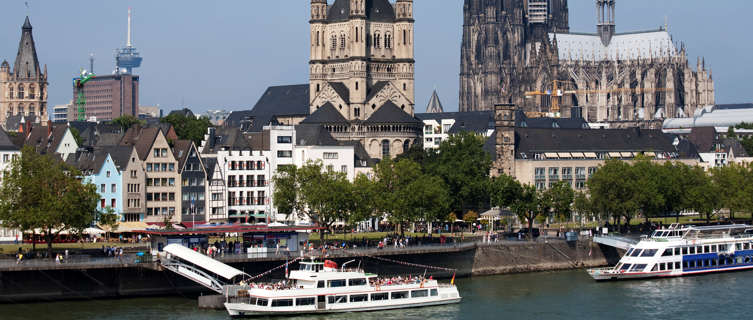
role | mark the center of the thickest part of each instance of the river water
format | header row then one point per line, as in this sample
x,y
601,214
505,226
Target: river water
x,y
546,295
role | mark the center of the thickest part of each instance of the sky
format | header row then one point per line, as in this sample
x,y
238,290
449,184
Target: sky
x,y
224,54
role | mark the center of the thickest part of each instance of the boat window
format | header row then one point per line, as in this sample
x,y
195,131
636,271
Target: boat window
x,y
434,292
667,252
262,302
685,250
379,296
677,265
746,246
638,267
684,264
691,250
662,266
629,252
357,282
337,299
649,253
282,303
665,233
706,249
677,251
655,268
722,247
336,283
738,246
359,297
419,293
305,301
625,267
320,284
713,262
739,259
669,265
399,295
636,253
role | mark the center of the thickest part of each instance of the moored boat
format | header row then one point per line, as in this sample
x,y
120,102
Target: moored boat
x,y
678,251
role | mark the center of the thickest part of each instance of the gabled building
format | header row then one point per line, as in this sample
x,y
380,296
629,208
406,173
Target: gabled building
x,y
193,183
715,149
127,159
162,187
50,139
99,168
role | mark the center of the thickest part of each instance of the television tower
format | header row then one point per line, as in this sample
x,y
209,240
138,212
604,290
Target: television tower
x,y
128,57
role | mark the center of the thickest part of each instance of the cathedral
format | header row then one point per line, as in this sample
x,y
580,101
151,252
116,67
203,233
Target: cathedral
x,y
23,90
522,52
361,83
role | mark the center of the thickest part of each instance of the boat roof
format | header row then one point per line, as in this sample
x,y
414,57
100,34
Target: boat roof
x,y
203,261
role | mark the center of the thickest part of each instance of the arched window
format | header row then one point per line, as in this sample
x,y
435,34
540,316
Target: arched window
x,y
373,106
20,91
356,34
10,92
356,85
385,148
317,87
406,146
405,37
31,92
387,41
21,109
334,42
317,39
377,40
342,41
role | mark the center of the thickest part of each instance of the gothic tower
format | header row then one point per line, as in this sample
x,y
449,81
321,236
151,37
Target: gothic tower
x,y
605,12
23,91
504,118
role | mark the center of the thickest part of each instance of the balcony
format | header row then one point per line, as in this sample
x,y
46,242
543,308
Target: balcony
x,y
540,177
567,177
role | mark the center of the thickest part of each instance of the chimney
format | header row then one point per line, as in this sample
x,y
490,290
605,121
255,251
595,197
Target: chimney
x,y
28,127
49,127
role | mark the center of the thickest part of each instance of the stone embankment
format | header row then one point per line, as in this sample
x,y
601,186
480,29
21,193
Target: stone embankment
x,y
37,282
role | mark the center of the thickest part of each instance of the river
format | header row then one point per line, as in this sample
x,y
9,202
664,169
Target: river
x,y
546,295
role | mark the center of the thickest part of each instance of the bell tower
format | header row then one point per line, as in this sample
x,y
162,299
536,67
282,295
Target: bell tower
x,y
504,123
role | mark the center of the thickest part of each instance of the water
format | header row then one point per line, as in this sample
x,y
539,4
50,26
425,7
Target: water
x,y
549,295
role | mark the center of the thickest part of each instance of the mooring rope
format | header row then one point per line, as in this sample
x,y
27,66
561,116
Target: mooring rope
x,y
412,264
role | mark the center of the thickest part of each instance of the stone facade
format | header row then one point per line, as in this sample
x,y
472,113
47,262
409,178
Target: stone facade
x,y
163,190
361,61
631,77
23,90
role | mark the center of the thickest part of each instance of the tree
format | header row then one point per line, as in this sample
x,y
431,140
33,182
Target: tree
x,y
362,199
470,217
392,181
504,190
110,219
703,195
40,191
582,205
612,190
464,166
731,182
127,121
188,127
76,135
647,189
322,196
561,196
528,206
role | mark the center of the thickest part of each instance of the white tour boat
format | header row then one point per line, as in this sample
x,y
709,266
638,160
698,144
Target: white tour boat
x,y
322,287
679,251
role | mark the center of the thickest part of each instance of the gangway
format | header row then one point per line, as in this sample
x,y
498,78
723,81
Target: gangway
x,y
199,268
615,241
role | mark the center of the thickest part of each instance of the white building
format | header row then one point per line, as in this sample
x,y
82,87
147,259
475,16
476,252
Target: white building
x,y
8,152
439,126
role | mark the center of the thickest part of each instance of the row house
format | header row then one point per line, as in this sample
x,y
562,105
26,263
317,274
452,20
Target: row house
x,y
98,168
8,153
193,183
162,188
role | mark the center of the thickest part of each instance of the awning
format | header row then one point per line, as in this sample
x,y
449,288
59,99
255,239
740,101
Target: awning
x,y
565,155
131,226
92,231
190,225
203,261
579,155
626,154
551,155
590,155
615,155
650,154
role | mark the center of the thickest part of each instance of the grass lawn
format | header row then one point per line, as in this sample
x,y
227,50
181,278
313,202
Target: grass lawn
x,y
12,248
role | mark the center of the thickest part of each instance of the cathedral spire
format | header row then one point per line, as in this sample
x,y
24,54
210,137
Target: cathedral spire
x,y
605,12
434,106
27,64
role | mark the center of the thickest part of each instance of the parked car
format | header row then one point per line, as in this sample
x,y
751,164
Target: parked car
x,y
523,233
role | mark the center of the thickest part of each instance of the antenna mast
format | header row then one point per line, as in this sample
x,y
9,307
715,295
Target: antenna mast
x,y
128,41
91,62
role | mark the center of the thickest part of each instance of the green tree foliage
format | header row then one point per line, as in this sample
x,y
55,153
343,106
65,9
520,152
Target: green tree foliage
x,y
76,135
127,121
582,205
42,192
703,195
528,206
504,191
470,217
561,196
109,219
731,184
613,190
464,166
322,196
187,127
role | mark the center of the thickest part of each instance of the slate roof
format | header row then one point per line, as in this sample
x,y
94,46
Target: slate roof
x,y
375,89
313,135
181,149
376,10
291,100
325,114
6,144
225,137
434,106
235,118
14,122
141,138
342,90
44,143
121,155
26,59
536,140
88,160
390,113
258,140
703,138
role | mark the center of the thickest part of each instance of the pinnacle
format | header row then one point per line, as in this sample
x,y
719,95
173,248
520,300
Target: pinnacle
x,y
27,24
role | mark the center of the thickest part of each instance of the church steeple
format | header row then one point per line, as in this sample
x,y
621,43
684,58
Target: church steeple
x,y
27,64
434,106
605,13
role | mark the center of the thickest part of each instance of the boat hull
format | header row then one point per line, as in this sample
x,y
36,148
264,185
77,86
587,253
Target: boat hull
x,y
239,310
604,275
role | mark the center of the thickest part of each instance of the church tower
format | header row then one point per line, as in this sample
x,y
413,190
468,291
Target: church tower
x,y
504,124
23,90
362,72
605,12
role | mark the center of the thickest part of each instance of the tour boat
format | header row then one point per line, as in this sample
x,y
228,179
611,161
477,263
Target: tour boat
x,y
322,287
678,251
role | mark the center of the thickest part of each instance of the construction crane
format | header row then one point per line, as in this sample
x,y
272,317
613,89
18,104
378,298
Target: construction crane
x,y
557,94
79,83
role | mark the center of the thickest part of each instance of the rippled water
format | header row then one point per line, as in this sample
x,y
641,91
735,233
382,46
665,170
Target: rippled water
x,y
549,295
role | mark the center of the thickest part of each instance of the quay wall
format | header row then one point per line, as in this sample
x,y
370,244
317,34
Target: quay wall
x,y
60,282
